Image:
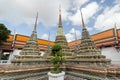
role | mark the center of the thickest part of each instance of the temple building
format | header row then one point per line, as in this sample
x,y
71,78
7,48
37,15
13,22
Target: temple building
x,y
88,63
107,41
30,56
61,39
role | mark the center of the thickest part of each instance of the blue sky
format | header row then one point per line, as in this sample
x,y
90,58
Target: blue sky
x,y
99,15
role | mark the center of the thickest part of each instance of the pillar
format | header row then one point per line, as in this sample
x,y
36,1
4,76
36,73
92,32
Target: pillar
x,y
0,54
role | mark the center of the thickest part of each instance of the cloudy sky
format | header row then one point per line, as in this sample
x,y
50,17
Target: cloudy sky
x,y
99,15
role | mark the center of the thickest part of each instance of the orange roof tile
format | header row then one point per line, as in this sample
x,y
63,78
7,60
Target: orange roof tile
x,y
106,44
19,42
22,38
104,34
74,42
99,38
26,38
105,40
45,42
118,32
10,38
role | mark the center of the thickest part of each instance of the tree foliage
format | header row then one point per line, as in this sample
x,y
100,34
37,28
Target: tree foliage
x,y
5,56
56,48
57,58
4,33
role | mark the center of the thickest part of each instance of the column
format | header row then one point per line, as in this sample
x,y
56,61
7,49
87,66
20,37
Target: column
x,y
0,54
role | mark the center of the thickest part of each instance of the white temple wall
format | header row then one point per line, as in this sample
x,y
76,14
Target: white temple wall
x,y
13,54
111,53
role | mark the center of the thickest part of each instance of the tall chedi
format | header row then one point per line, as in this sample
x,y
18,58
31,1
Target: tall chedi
x,y
61,39
88,51
30,53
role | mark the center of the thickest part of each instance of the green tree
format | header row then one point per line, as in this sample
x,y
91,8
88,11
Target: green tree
x,y
4,33
5,56
57,58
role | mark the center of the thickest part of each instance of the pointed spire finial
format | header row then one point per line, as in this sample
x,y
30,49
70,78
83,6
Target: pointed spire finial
x,y
115,25
35,25
49,37
75,38
59,8
115,33
83,25
75,35
14,31
60,20
48,47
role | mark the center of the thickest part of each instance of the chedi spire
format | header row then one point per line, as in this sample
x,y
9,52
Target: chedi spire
x,y
60,19
34,30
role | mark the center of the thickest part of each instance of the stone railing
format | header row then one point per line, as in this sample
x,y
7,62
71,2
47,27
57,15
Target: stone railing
x,y
83,71
2,62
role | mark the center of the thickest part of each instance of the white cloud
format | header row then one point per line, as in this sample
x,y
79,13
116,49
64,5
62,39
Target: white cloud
x,y
87,11
90,10
76,18
24,11
76,4
107,19
73,31
44,36
102,1
117,1
71,35
89,28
